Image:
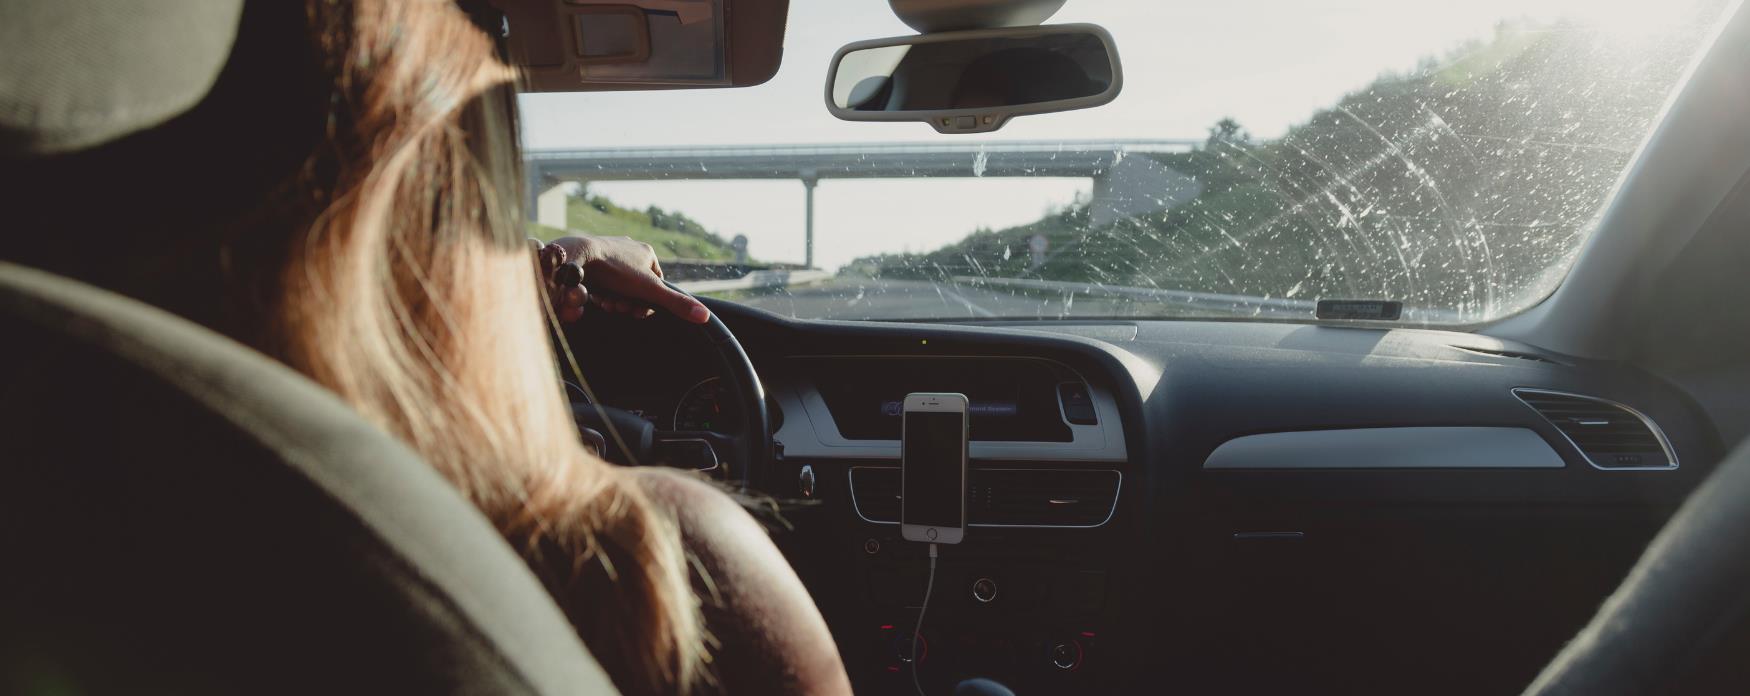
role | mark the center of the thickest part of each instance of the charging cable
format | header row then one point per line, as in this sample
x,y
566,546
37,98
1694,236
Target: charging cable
x,y
917,633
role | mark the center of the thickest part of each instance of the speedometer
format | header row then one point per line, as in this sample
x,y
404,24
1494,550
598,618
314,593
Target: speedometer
x,y
703,408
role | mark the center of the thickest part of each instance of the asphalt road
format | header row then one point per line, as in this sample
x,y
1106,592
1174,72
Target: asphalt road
x,y
863,298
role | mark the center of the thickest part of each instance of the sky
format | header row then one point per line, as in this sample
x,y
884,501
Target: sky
x,y
1267,63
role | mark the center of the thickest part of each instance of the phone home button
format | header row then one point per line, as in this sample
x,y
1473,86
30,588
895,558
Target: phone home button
x,y
931,533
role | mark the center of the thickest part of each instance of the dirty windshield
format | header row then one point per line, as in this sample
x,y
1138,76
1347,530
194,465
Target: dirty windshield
x,y
1262,156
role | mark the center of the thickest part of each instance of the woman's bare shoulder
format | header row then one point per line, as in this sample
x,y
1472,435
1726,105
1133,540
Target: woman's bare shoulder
x,y
756,607
693,499
736,551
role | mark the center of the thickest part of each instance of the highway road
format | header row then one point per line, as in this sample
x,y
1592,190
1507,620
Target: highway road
x,y
864,298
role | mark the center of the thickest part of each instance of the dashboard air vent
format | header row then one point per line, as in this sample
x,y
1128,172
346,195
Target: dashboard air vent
x,y
1499,353
1610,435
1004,497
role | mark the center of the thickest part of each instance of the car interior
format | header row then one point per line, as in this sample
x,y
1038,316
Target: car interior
x,y
1357,495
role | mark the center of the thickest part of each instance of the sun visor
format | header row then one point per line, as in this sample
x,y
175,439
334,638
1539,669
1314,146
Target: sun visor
x,y
592,45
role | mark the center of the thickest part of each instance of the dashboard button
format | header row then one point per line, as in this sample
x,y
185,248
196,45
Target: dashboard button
x,y
1078,405
984,590
902,649
1065,655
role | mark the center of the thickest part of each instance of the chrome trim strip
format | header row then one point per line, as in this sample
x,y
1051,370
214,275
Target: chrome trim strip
x,y
1658,434
1384,449
851,482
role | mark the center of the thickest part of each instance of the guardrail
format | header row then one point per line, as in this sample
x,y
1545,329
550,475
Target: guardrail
x,y
1223,303
755,280
1228,305
684,270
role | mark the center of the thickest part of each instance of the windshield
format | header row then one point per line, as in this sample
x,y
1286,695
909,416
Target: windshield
x,y
1262,156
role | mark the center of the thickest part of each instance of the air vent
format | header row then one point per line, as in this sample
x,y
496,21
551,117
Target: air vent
x,y
1004,497
1516,355
1610,435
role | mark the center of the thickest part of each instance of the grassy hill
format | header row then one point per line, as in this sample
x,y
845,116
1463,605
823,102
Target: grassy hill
x,y
672,234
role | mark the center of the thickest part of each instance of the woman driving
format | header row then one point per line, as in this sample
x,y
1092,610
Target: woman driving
x,y
368,234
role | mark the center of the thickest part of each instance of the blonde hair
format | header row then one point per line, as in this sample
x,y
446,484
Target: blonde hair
x,y
411,294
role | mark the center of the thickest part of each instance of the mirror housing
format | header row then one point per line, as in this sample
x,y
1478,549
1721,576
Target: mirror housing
x,y
974,81
928,16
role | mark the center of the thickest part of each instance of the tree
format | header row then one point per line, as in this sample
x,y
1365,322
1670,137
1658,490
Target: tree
x,y
1227,133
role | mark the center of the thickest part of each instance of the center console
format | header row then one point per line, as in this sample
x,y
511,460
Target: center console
x,y
1024,599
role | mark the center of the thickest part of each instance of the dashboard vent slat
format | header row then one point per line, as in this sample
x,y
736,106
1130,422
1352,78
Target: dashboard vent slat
x,y
1608,434
1503,353
1004,497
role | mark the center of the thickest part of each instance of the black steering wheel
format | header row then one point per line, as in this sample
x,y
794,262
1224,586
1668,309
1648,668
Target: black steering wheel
x,y
751,466
743,458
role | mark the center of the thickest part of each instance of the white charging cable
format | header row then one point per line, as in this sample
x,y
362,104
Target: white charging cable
x,y
918,633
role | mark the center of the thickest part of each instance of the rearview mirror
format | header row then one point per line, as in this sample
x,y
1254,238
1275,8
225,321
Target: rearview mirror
x,y
974,81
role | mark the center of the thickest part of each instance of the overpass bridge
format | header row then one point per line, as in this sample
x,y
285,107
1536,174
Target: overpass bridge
x,y
1122,185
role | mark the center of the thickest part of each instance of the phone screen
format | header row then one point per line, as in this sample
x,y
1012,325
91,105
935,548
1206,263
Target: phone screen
x,y
931,459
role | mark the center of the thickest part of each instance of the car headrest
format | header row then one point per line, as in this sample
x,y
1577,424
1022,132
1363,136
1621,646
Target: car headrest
x,y
80,73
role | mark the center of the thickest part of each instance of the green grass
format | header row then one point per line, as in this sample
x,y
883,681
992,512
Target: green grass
x,y
669,244
543,232
599,216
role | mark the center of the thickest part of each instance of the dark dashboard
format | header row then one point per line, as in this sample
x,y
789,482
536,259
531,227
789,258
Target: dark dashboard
x,y
654,369
1213,507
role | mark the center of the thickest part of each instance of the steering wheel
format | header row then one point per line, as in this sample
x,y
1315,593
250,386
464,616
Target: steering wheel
x,y
743,459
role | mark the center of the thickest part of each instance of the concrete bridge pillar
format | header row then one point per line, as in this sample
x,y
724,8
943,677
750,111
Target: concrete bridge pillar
x,y
1138,185
550,207
546,203
809,180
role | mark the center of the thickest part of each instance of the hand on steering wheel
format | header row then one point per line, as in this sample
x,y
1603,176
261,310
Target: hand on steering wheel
x,y
625,277
625,274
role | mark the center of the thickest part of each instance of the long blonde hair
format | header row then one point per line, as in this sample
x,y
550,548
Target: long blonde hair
x,y
407,288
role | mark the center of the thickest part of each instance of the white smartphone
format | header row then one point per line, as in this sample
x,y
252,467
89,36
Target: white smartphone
x,y
932,468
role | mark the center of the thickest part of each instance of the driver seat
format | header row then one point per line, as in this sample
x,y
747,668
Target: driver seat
x,y
181,514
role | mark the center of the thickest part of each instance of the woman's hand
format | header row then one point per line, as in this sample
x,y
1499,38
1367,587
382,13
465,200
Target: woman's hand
x,y
624,272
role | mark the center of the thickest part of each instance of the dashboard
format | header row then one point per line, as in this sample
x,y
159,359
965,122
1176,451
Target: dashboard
x,y
1230,507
